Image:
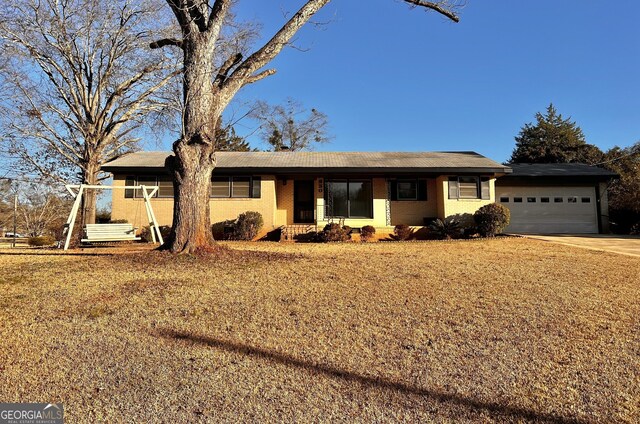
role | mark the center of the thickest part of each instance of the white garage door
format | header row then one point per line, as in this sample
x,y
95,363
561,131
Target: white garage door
x,y
550,210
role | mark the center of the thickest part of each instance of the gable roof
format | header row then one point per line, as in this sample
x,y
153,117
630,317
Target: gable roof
x,y
559,170
290,162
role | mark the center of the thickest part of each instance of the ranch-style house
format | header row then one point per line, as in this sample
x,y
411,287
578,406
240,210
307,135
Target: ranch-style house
x,y
381,189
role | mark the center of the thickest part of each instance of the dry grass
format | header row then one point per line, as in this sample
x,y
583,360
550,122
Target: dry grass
x,y
503,330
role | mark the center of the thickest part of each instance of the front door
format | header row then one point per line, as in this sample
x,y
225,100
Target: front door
x,y
303,202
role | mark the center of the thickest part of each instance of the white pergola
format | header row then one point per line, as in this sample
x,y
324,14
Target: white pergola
x,y
147,193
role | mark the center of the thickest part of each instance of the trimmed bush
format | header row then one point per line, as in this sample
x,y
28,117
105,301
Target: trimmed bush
x,y
334,232
41,241
402,232
222,230
367,233
447,229
492,219
145,234
103,217
118,221
247,226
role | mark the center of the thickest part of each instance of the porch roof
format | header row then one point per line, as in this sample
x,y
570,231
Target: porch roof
x,y
333,162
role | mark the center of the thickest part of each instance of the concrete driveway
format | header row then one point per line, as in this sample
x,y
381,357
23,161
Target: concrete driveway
x,y
626,245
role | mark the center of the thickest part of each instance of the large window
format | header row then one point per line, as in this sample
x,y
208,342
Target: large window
x,y
220,187
237,187
240,187
147,180
166,187
349,199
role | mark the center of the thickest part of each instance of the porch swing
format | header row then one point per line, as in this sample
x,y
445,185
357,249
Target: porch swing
x,y
96,233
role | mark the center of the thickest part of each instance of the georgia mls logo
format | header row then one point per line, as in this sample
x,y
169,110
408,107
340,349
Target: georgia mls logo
x,y
31,413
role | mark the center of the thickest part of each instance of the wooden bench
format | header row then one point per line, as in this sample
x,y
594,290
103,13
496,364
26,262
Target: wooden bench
x,y
109,232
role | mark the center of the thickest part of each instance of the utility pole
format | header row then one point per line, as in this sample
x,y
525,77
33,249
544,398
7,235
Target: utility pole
x,y
15,215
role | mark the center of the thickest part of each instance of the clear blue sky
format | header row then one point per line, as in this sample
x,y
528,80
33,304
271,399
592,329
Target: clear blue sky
x,y
393,78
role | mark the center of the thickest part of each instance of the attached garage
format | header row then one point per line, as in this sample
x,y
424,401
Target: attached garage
x,y
555,198
550,210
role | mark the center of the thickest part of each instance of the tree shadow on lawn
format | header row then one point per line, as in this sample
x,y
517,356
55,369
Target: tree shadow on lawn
x,y
367,381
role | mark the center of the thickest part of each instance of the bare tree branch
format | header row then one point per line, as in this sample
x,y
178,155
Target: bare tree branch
x,y
166,42
226,67
442,7
79,81
261,75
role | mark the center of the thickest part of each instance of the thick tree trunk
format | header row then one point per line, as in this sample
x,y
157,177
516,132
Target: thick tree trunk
x,y
191,219
90,196
194,151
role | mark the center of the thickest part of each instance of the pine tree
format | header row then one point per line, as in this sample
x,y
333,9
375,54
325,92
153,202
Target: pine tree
x,y
553,139
624,192
228,141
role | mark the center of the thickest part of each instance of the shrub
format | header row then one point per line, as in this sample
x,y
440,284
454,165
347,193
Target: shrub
x,y
446,229
247,226
402,232
145,234
334,232
492,219
41,241
222,230
367,233
118,221
103,217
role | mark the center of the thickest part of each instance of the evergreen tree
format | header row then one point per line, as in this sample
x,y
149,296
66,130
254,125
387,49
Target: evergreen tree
x,y
553,139
228,141
624,193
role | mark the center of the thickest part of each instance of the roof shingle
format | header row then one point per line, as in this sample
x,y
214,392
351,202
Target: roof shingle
x,y
286,161
558,170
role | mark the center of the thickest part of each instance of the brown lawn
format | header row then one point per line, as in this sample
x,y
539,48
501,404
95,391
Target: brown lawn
x,y
504,330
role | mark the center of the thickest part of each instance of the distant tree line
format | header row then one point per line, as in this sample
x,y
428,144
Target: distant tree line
x,y
41,211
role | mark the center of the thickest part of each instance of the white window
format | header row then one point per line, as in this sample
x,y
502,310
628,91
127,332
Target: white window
x,y
468,187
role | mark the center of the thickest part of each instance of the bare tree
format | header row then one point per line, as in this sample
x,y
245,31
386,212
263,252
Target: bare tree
x,y
6,209
41,211
207,91
79,83
290,126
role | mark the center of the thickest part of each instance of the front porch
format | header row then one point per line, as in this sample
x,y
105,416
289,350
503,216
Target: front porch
x,y
382,202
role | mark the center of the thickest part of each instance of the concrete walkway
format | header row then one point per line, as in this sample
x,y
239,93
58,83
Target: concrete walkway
x,y
626,245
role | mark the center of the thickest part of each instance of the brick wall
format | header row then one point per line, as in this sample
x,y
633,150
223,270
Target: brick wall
x,y
284,202
133,210
448,207
276,205
379,207
413,212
